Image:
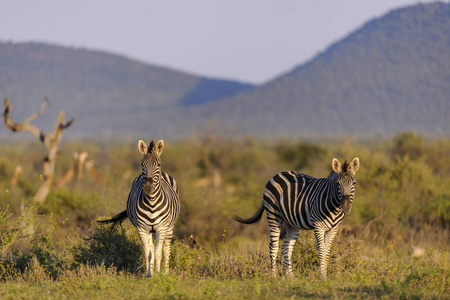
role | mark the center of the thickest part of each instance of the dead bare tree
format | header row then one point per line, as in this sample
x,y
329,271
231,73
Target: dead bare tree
x,y
49,140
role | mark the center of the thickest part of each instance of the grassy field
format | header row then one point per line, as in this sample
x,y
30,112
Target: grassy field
x,y
394,244
237,269
237,272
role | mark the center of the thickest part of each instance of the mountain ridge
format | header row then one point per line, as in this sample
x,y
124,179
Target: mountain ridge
x,y
373,69
392,74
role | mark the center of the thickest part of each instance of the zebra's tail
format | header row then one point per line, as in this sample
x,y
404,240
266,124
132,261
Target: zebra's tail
x,y
119,218
255,218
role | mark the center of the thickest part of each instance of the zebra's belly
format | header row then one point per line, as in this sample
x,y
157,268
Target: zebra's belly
x,y
153,220
297,221
153,225
295,212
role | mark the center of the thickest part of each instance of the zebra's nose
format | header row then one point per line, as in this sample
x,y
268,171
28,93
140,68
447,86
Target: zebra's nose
x,y
346,203
148,184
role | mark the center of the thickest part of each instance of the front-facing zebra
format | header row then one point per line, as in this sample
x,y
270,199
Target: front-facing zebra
x,y
153,206
303,202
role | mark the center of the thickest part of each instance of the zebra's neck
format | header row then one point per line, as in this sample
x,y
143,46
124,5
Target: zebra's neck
x,y
334,199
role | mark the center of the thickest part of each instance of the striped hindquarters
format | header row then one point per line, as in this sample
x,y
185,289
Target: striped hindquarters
x,y
285,199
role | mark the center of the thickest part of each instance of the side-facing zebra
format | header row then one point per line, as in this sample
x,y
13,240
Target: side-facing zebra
x,y
153,206
303,202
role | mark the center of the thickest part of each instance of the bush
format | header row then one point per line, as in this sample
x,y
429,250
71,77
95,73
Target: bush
x,y
27,244
119,248
301,155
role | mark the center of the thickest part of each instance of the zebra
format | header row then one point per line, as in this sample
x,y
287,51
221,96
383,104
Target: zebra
x,y
303,202
153,207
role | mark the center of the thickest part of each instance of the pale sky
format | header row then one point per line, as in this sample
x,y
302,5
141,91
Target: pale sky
x,y
247,40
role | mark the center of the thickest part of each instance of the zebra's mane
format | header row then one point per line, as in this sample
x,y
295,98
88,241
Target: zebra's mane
x,y
333,175
151,147
345,166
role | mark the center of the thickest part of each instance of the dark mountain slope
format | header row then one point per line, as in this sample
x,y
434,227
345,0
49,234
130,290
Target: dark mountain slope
x,y
391,75
103,92
213,89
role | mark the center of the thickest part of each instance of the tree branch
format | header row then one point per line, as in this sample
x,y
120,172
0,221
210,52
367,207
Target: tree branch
x,y
41,111
25,126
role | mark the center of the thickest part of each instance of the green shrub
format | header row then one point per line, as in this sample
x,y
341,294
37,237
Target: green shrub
x,y
28,244
119,248
300,155
71,203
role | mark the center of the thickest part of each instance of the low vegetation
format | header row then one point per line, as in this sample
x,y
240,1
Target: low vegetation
x,y
394,244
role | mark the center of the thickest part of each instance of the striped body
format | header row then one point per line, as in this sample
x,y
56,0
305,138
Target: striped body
x,y
157,211
154,213
303,202
153,207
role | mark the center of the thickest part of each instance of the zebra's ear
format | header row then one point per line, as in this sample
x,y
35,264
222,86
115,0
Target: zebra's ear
x,y
354,165
159,147
142,146
336,165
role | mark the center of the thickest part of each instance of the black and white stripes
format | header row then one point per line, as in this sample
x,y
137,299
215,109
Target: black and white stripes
x,y
303,202
153,206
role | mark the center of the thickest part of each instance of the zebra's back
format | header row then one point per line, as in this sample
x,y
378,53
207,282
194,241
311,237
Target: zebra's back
x,y
298,199
170,180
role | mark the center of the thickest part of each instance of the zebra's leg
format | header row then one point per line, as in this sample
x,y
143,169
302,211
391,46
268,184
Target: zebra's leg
x,y
275,230
329,237
152,252
160,236
288,246
323,252
143,234
167,249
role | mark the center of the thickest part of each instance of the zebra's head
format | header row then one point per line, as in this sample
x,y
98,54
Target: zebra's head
x,y
151,163
346,180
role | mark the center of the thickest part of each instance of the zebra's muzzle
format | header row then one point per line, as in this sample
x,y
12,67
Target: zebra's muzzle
x,y
346,204
148,182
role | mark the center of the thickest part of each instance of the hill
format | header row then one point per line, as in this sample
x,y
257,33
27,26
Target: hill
x,y
105,93
390,75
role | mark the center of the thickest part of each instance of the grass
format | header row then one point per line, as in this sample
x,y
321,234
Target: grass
x,y
231,269
390,278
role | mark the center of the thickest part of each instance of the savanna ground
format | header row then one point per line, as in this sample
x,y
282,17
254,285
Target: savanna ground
x,y
394,244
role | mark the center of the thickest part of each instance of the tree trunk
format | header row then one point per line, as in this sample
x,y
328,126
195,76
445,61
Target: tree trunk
x,y
50,140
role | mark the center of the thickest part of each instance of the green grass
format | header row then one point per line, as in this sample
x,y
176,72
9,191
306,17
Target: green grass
x,y
230,269
386,278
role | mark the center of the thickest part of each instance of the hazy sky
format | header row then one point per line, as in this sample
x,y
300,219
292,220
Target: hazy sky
x,y
247,40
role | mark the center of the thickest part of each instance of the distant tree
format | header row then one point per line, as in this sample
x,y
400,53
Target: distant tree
x,y
408,143
50,141
299,156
